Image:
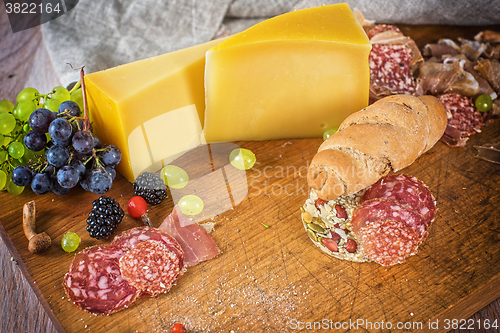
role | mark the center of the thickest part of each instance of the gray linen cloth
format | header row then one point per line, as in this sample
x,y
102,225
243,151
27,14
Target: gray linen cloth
x,y
106,33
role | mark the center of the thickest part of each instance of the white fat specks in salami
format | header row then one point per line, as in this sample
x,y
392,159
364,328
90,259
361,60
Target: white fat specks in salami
x,y
94,281
391,70
132,237
462,114
389,242
151,267
406,189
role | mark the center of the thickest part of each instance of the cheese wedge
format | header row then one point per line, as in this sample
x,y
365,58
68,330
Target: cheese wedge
x,y
292,76
152,109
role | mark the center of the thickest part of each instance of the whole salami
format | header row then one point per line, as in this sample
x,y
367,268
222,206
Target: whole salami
x,y
94,281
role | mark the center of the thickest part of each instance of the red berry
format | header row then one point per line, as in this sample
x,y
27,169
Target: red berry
x,y
178,328
137,207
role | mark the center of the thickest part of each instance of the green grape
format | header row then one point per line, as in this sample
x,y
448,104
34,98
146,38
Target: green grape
x,y
24,110
13,188
27,94
26,128
52,104
16,149
3,179
1,139
191,204
6,106
174,177
15,163
70,241
242,158
329,132
60,93
6,140
484,103
3,156
77,97
7,123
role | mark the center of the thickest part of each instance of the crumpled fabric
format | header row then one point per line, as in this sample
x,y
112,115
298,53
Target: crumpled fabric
x,y
108,33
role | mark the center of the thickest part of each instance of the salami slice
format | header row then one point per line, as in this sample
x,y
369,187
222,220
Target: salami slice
x,y
390,70
94,282
151,266
462,114
389,242
134,236
380,210
379,28
406,189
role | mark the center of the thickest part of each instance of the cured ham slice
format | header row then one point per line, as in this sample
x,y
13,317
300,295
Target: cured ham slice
x,y
196,243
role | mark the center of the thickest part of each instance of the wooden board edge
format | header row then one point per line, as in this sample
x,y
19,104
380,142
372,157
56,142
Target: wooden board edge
x,y
24,269
467,306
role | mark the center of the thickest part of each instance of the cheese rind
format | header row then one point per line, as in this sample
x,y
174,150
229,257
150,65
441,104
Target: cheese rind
x,y
152,109
292,76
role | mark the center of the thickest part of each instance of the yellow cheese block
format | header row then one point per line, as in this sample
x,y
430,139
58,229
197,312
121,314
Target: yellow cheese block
x,y
152,109
292,76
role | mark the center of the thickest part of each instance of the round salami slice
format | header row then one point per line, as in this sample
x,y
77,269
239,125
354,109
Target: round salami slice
x,y
134,236
390,70
94,282
381,209
389,242
151,267
406,189
464,115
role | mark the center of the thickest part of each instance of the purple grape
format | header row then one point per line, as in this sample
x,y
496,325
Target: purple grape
x,y
79,166
97,143
111,171
98,181
41,183
68,176
83,142
69,106
35,141
22,175
60,130
111,156
40,120
58,189
57,156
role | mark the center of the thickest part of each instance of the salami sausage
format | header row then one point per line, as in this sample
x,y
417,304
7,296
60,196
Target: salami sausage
x,y
151,267
94,281
389,242
380,210
391,70
130,238
406,189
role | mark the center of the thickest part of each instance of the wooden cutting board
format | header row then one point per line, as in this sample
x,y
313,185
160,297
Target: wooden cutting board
x,y
274,279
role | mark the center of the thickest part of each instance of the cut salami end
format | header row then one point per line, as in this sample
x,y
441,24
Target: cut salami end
x,y
406,189
151,266
94,282
132,237
389,243
391,70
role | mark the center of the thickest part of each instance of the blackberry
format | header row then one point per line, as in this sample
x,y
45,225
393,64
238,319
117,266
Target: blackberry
x,y
151,187
104,218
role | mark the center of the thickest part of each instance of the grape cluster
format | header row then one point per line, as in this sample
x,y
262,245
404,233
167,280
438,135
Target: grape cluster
x,y
47,145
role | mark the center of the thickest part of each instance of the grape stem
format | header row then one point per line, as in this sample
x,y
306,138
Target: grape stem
x,y
86,122
75,87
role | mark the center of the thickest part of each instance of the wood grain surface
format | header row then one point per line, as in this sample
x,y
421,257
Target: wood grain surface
x,y
266,277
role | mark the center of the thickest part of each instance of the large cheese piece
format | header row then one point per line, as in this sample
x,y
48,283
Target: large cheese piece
x,y
152,109
291,76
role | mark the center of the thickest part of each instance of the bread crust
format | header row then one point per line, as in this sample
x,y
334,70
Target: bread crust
x,y
386,136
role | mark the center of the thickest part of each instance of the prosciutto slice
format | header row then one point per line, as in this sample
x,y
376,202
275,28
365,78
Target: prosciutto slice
x,y
196,243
